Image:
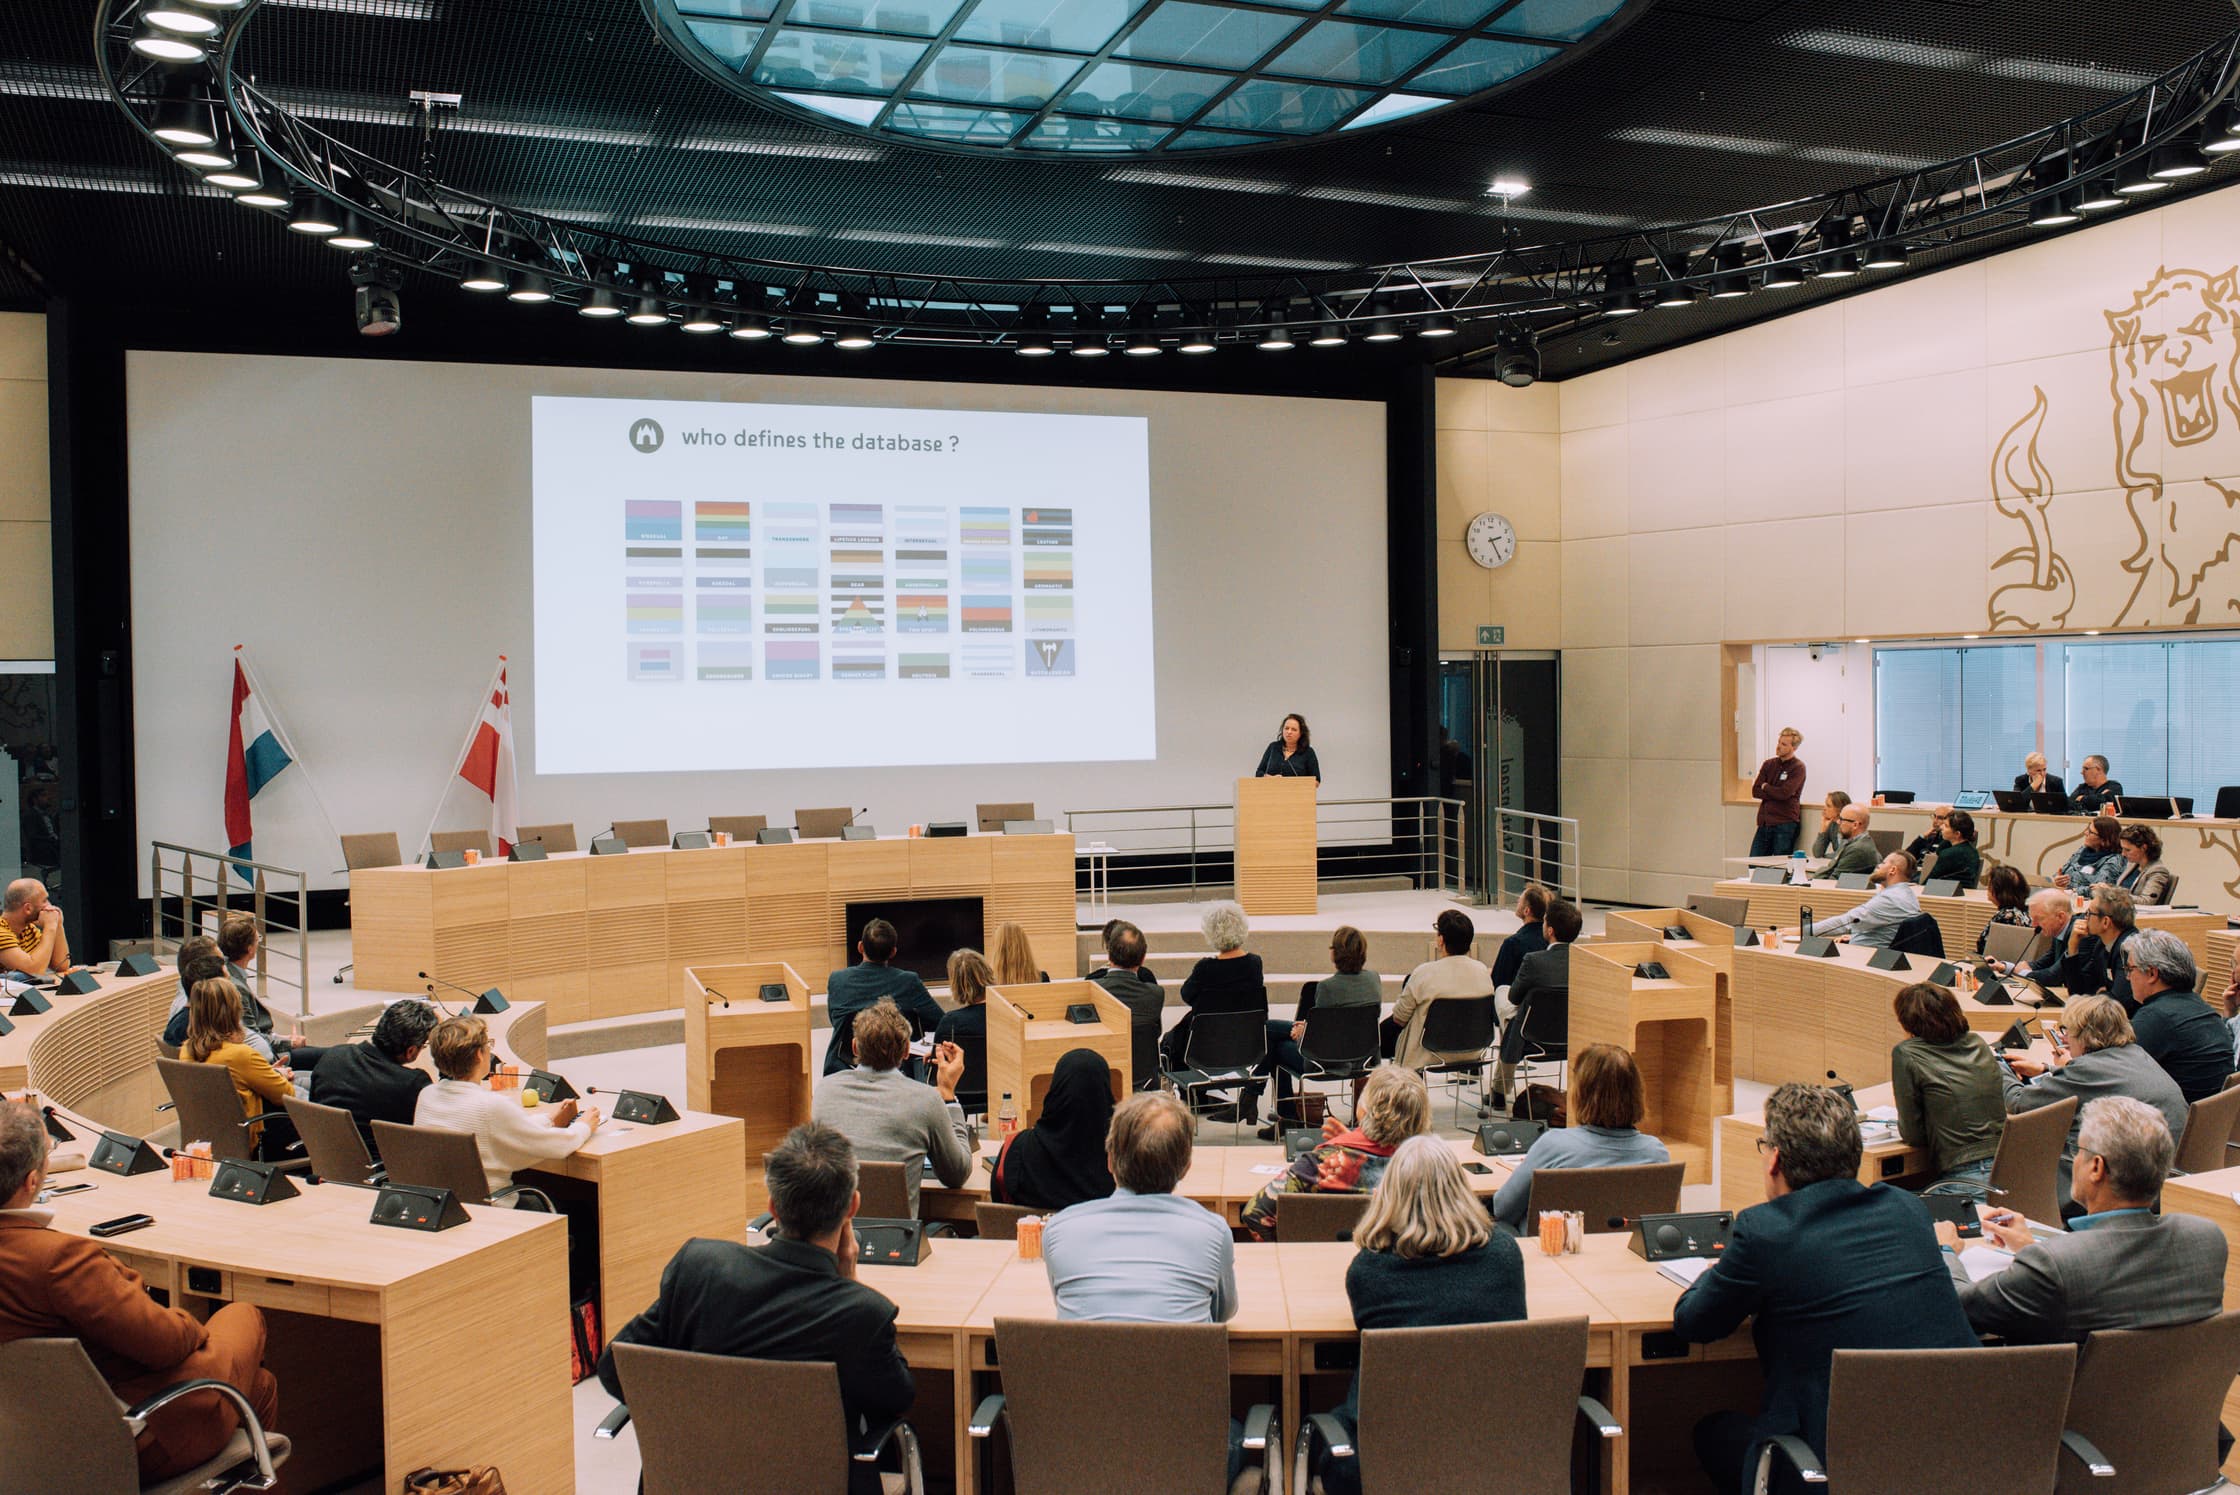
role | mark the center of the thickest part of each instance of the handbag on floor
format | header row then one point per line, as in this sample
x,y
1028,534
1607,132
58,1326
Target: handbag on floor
x,y
482,1479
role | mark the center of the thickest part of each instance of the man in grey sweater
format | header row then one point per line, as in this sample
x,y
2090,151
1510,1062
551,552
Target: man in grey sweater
x,y
890,1117
2102,1057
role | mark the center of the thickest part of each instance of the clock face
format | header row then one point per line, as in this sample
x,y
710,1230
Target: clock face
x,y
1491,540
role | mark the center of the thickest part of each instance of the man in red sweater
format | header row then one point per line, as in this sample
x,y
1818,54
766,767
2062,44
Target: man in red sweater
x,y
54,1285
1778,789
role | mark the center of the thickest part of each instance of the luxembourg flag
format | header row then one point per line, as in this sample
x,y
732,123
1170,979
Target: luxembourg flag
x,y
487,765
255,755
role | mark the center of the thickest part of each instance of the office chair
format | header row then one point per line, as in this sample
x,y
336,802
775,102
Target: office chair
x,y
360,853
1318,1217
337,1149
637,833
474,841
740,828
1465,1026
429,1157
1919,935
557,837
73,1437
210,1110
1000,1222
1340,1044
1221,1053
2209,1126
992,817
2027,1166
2183,1373
1622,1193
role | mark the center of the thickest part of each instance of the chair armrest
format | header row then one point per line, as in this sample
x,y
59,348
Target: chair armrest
x,y
1323,1427
873,1442
1799,1454
2092,1458
137,1419
526,1192
1604,1422
760,1224
1261,1427
985,1415
614,1422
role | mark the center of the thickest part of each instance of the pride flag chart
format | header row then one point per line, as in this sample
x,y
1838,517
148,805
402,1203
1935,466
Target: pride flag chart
x,y
765,586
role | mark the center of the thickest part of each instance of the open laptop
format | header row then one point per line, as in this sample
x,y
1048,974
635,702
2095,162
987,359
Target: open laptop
x,y
1733,912
1894,796
2012,942
2148,807
1970,799
2013,801
2045,802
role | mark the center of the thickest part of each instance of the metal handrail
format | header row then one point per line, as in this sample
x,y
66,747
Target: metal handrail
x,y
269,889
1192,845
1545,841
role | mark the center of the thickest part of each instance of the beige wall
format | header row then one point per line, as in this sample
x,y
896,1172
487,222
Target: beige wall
x,y
2045,440
26,545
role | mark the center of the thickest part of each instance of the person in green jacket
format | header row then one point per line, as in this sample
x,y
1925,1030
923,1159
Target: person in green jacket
x,y
1958,858
1946,1086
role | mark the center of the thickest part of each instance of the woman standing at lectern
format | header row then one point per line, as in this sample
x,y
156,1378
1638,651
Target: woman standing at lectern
x,y
1289,756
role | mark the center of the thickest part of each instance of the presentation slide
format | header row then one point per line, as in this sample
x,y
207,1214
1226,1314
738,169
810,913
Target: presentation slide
x,y
761,586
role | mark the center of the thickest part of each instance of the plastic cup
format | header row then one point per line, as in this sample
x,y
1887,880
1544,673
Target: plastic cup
x,y
474,857
1552,1232
1030,1238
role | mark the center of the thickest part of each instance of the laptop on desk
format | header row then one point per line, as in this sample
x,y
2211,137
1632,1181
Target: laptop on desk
x,y
2045,803
2013,801
2011,942
2148,807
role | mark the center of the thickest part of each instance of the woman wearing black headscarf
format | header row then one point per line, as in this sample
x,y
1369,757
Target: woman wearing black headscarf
x,y
1060,1160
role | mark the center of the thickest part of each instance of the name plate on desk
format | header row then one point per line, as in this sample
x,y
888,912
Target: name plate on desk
x,y
414,1207
78,984
892,1243
527,851
124,1156
28,1003
251,1183
1855,882
689,841
1993,994
139,964
1672,1237
643,1107
549,1086
1941,887
441,860
1745,937
1945,974
609,846
1889,960
1817,946
1769,877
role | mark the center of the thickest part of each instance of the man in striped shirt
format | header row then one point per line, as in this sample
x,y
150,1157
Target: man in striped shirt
x,y
31,937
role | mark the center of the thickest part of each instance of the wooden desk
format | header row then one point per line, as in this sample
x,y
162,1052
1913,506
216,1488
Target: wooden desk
x,y
933,1300
1028,1034
394,1349
748,1058
2202,853
596,937
2210,1195
2216,969
1742,1174
1668,1025
95,1054
1708,941
1276,846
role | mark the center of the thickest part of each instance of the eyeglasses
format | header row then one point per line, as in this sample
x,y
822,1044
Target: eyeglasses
x,y
1762,1145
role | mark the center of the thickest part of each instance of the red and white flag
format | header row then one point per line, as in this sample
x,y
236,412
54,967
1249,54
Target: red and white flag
x,y
486,766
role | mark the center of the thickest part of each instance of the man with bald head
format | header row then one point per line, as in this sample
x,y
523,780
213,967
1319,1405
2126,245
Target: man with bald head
x,y
31,937
1855,849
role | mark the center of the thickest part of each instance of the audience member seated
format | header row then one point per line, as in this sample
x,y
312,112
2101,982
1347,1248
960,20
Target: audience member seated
x,y
237,942
199,960
2098,791
1060,1160
890,1117
2119,1265
1830,839
1394,1107
1143,1255
1926,845
1452,971
2230,1001
2101,1056
2034,779
31,936
2097,940
1779,791
2172,1023
376,1080
2143,875
1606,1107
852,989
2009,892
215,1036
797,1297
1957,860
1543,971
1348,985
1532,911
1011,957
1427,1260
508,1134
1111,930
1855,850
2049,910
1825,1264
1946,1085
1875,922
58,1285
2097,859
1127,979
1229,980
966,1025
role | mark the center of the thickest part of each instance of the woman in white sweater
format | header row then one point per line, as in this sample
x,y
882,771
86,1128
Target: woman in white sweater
x,y
508,1134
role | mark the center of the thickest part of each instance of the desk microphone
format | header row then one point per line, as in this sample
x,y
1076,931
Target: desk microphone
x,y
711,991
489,1001
603,834
433,981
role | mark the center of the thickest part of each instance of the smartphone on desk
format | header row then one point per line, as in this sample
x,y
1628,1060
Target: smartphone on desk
x,y
1478,1168
120,1225
58,1190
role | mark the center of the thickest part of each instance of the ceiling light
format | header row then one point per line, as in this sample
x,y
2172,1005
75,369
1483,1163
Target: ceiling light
x,y
2220,133
1730,282
855,339
1438,324
184,122
751,327
1506,187
2057,211
1089,347
2135,176
803,333
699,319
1034,345
483,275
167,47
1142,345
1195,342
1674,292
1332,335
2177,160
232,178
2099,194
1517,363
1277,337
309,215
1889,254
1838,260
599,301
352,234
1783,275
181,20
206,157
531,289
646,310
1624,295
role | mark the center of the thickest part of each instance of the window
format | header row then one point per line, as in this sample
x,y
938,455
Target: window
x,y
1916,731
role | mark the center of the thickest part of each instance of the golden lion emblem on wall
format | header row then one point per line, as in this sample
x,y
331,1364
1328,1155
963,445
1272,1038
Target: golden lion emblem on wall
x,y
2174,374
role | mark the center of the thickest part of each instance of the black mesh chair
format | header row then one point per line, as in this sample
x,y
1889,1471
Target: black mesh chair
x,y
1919,935
1461,1026
2228,803
1340,1045
1221,1053
1539,1032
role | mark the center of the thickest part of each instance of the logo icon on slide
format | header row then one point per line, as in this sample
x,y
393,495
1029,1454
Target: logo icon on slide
x,y
645,434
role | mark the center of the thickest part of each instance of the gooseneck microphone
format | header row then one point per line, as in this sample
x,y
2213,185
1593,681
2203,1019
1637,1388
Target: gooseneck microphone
x,y
711,991
434,982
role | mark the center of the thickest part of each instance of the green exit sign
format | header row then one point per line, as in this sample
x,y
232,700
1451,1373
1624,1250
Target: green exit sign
x,y
1490,635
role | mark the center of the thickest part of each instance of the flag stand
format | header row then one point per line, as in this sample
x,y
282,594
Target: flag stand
x,y
459,759
280,730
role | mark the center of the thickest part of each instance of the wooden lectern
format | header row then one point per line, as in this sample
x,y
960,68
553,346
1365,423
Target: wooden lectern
x,y
1275,845
1669,1025
1028,1034
748,1058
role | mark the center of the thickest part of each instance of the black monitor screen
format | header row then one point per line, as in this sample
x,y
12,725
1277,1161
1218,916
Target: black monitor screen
x,y
926,930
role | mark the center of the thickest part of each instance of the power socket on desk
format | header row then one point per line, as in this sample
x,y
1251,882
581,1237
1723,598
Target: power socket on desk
x,y
206,1282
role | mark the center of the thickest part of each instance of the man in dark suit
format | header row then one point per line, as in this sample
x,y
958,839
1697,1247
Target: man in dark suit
x,y
1146,1002
1530,939
375,1080
1826,1264
855,988
2182,1032
2119,1265
795,1298
2034,779
1543,973
2098,940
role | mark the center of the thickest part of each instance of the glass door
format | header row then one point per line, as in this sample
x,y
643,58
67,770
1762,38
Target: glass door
x,y
1500,747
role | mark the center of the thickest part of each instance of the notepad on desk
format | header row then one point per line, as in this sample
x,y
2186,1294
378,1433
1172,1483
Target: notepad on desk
x,y
1980,1262
1684,1269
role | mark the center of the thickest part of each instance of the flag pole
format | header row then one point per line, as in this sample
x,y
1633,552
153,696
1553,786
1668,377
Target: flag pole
x,y
280,730
459,758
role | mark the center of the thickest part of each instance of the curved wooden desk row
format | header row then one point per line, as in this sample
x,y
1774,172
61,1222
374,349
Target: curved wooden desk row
x,y
1960,919
2204,855
595,937
1291,1303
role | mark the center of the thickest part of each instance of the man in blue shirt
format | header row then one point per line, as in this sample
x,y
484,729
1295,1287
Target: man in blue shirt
x,y
1875,922
1144,1255
855,988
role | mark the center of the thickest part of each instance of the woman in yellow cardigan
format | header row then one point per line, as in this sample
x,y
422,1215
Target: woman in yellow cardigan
x,y
215,1035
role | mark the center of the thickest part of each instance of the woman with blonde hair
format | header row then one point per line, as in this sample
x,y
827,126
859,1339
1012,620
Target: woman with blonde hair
x,y
966,1025
1607,1104
1428,1258
1394,1107
507,1135
1011,958
215,1035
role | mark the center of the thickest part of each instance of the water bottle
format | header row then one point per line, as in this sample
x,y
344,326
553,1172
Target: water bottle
x,y
1007,1117
1804,921
1797,872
